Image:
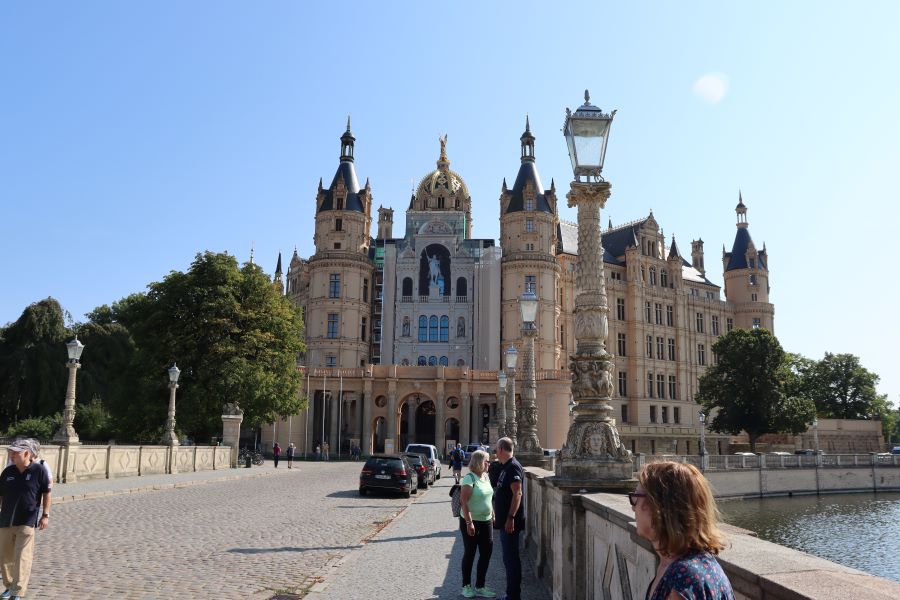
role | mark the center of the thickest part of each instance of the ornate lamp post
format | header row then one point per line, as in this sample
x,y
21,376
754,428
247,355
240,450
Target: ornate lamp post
x,y
502,381
530,450
169,438
66,434
816,439
703,457
511,423
592,450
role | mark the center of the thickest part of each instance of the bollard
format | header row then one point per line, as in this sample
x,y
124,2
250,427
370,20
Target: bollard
x,y
247,460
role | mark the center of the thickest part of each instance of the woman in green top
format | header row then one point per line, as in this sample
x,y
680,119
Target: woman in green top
x,y
476,520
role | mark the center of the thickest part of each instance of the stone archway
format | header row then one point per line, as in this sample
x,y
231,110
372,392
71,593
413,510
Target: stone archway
x,y
424,422
451,432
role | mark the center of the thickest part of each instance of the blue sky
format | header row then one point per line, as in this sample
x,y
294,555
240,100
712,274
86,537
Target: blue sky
x,y
134,135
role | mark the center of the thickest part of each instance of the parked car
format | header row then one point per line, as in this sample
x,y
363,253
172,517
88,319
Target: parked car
x,y
551,452
895,450
422,466
429,451
469,449
389,472
807,452
744,454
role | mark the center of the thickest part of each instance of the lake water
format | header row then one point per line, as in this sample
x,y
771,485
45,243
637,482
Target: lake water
x,y
857,530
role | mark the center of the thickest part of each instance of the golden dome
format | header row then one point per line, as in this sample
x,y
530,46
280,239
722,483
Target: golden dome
x,y
442,182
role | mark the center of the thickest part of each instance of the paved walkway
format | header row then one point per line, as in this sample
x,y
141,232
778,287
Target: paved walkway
x,y
417,556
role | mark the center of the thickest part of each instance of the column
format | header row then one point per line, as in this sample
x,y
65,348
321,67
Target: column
x,y
475,422
439,428
365,442
464,412
411,420
333,428
390,440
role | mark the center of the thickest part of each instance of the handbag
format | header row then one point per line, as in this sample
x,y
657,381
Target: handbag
x,y
455,491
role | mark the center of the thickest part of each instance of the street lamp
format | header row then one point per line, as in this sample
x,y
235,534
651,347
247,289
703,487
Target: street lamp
x,y
593,449
530,450
502,381
169,438
816,436
66,433
511,424
702,433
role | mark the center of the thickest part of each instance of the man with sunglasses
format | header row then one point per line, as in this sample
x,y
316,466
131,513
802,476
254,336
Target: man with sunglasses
x,y
509,512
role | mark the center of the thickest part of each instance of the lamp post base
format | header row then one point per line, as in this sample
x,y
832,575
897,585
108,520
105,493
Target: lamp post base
x,y
66,436
169,439
535,459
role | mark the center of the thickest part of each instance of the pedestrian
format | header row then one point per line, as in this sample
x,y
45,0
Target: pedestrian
x,y
318,452
674,510
290,455
276,452
353,450
509,515
24,489
476,516
456,461
325,449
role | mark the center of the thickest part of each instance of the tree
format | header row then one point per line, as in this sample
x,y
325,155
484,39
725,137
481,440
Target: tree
x,y
843,388
753,388
234,337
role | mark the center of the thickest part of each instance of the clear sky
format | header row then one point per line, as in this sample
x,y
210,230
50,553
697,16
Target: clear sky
x,y
134,135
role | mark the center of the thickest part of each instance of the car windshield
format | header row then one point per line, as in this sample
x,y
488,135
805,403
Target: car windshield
x,y
413,458
423,449
391,463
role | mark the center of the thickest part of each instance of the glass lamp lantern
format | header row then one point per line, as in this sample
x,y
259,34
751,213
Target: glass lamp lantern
x,y
74,348
174,372
502,380
702,418
511,357
587,132
528,305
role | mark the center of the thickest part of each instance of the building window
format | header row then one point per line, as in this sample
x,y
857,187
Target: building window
x,y
676,414
624,413
701,354
332,325
647,312
365,290
444,362
753,297
423,328
661,386
334,285
421,361
529,203
715,324
529,225
337,245
670,315
339,203
652,419
700,322
432,361
620,344
657,312
711,295
695,292
529,247
338,224
649,384
362,329
433,329
673,392
652,275
445,328
649,346
729,324
531,283
623,384
671,348
407,287
756,323
620,308
660,348
331,360
665,414
663,278
752,279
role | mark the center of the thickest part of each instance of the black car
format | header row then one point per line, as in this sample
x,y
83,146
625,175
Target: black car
x,y
389,472
422,466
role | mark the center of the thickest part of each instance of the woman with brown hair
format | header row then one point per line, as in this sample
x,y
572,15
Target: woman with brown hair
x,y
675,510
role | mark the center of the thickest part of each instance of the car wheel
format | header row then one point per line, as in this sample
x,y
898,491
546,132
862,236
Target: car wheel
x,y
415,490
362,491
407,493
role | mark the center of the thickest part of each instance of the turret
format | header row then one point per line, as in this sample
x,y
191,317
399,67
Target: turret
x,y
385,223
747,277
697,255
278,280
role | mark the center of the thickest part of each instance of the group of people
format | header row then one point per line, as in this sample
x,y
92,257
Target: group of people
x,y
673,506
276,454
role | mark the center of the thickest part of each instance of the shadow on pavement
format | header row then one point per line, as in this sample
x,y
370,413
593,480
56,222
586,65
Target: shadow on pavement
x,y
440,534
290,549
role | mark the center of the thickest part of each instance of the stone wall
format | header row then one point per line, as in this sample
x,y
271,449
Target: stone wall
x,y
75,463
585,547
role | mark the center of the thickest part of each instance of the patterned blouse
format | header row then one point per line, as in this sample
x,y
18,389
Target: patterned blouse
x,y
695,576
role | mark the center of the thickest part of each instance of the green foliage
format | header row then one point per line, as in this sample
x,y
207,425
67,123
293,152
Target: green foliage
x,y
42,428
754,387
883,410
92,421
843,388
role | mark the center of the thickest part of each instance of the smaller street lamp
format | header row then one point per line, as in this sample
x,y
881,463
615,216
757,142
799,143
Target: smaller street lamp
x,y
512,356
815,424
587,132
169,438
66,433
502,381
703,457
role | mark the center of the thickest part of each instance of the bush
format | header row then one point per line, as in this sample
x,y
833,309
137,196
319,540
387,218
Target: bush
x,y
92,421
42,428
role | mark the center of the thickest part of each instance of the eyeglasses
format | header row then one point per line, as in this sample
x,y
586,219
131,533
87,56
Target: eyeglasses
x,y
633,498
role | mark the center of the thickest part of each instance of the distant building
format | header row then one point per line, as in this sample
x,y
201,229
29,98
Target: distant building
x,y
409,332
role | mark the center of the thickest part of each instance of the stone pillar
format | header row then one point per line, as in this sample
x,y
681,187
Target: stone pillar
x,y
593,455
502,419
410,420
390,439
464,414
512,424
530,452
365,442
475,422
66,436
333,425
232,417
439,418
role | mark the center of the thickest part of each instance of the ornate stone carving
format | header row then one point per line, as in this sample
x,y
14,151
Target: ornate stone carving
x,y
232,408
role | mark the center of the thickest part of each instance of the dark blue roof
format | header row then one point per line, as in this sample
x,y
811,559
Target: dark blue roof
x,y
528,172
567,234
347,173
737,258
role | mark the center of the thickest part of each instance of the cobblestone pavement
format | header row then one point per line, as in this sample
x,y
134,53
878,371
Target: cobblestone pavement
x,y
417,556
243,538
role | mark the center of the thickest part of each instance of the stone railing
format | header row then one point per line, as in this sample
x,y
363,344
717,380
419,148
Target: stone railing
x,y
82,462
586,547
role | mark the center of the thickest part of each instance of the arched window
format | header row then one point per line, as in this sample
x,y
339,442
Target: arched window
x,y
664,278
421,361
432,361
443,361
461,327
461,362
445,328
407,286
461,287
433,329
652,275
423,328
404,362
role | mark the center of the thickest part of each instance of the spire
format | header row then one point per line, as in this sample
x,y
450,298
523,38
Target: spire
x,y
443,163
610,223
673,249
278,266
504,185
527,142
347,141
553,185
741,211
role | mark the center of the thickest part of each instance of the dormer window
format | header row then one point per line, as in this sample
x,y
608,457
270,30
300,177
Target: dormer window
x,y
338,224
339,203
529,225
529,203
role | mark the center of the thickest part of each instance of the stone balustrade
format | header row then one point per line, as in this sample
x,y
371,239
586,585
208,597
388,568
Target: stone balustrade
x,y
585,547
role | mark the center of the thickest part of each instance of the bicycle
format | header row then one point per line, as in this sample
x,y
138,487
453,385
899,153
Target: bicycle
x,y
256,457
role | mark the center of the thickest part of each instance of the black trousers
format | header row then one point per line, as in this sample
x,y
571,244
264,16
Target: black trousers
x,y
483,541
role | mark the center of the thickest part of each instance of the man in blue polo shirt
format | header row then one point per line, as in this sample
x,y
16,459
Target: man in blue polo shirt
x,y
509,513
24,487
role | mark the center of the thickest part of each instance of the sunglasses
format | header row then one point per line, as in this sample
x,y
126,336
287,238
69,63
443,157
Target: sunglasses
x,y
633,497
